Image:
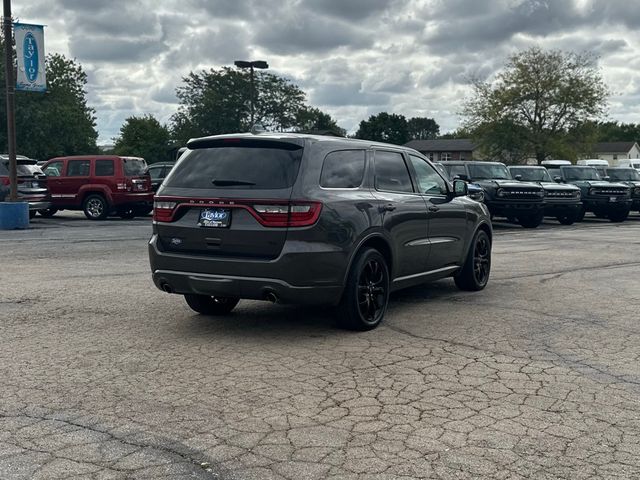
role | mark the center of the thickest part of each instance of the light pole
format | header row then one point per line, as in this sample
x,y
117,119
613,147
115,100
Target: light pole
x,y
250,65
11,101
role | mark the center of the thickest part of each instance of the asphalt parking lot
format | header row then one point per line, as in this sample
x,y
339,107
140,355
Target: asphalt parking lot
x,y
103,376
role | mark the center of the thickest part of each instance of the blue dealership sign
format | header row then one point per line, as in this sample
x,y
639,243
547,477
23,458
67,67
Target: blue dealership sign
x,y
30,57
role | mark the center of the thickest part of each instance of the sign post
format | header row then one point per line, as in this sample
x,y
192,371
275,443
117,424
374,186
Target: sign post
x,y
11,102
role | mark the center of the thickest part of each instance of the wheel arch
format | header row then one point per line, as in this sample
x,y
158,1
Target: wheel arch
x,y
379,242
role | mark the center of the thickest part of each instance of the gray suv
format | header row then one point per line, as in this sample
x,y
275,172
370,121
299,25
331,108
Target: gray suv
x,y
306,219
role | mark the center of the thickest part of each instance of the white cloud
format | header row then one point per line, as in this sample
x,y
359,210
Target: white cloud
x,y
353,58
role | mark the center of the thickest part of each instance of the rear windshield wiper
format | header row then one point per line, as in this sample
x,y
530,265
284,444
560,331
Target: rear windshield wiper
x,y
229,183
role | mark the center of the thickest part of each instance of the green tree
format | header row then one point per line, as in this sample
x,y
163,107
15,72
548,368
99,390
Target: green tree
x,y
218,101
311,119
58,122
384,127
422,128
540,96
144,137
617,132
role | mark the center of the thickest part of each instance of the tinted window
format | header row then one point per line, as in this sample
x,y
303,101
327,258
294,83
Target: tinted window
x,y
534,174
54,169
78,168
344,169
580,173
156,172
244,167
455,170
429,181
623,174
134,166
104,168
391,172
486,171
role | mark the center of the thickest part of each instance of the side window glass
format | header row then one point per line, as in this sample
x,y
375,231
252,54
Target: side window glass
x,y
343,169
54,169
391,172
104,168
78,168
156,172
457,170
429,181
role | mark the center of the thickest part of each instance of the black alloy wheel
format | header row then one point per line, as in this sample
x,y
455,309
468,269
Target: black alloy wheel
x,y
474,274
366,296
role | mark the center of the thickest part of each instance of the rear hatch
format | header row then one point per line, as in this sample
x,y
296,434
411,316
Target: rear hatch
x,y
137,174
32,182
231,197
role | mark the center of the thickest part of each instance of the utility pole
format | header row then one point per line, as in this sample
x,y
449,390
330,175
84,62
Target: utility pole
x,y
11,101
251,65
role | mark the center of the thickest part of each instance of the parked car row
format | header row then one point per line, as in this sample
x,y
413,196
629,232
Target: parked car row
x,y
526,194
99,185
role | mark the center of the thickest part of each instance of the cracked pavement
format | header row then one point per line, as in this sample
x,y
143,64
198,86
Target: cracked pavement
x,y
104,377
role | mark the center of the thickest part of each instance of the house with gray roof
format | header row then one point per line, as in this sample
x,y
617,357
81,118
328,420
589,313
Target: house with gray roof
x,y
442,150
615,151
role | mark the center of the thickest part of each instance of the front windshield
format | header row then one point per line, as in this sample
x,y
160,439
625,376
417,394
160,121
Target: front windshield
x,y
623,174
531,174
580,173
489,171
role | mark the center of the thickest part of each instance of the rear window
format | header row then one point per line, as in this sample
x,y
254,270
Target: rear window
x,y
244,167
134,167
343,169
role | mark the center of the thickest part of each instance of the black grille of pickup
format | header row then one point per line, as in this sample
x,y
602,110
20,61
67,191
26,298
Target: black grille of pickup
x,y
561,194
521,193
610,191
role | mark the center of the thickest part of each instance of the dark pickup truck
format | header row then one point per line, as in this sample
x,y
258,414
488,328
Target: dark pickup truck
x,y
503,196
562,201
603,199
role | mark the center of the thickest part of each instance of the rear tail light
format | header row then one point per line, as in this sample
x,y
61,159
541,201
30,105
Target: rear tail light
x,y
294,214
163,211
4,181
274,215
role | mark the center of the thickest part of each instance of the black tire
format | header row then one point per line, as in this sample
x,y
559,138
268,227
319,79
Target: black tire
x,y
531,221
581,214
474,274
619,215
48,212
143,211
126,213
366,293
211,305
568,219
95,207
32,213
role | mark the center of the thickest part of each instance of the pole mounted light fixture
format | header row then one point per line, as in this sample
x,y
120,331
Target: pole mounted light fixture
x,y
260,64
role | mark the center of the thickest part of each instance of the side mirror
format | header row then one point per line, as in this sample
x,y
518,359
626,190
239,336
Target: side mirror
x,y
460,188
557,179
518,178
606,178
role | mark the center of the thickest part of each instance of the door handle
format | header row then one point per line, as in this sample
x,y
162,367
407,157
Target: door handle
x,y
389,207
433,208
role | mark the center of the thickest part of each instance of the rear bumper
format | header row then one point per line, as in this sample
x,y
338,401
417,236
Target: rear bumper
x,y
144,198
39,205
243,287
310,274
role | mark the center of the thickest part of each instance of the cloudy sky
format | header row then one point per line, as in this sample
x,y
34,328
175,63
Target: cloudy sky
x,y
354,58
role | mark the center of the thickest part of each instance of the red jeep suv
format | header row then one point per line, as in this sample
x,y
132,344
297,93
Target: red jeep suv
x,y
99,185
